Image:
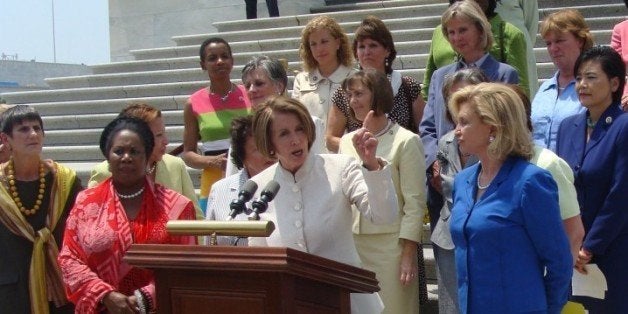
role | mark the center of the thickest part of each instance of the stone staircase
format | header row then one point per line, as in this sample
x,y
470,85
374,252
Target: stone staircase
x,y
77,108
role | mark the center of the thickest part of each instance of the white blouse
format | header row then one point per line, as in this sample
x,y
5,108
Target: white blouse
x,y
312,210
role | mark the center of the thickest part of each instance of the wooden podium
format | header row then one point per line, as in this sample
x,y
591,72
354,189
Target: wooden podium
x,y
226,279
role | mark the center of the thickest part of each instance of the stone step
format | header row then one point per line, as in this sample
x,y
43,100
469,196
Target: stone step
x,y
599,25
368,5
434,10
405,64
421,36
109,92
418,22
240,58
100,120
377,4
355,16
114,105
587,9
90,135
407,61
186,70
571,3
258,45
155,76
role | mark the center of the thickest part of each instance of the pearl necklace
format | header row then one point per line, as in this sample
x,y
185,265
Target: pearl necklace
x,y
225,97
16,196
482,187
129,196
385,129
152,169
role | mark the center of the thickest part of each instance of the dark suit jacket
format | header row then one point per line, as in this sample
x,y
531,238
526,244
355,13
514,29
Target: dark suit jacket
x,y
601,178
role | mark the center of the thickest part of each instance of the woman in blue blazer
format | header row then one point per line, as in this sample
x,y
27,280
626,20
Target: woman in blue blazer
x,y
512,254
595,145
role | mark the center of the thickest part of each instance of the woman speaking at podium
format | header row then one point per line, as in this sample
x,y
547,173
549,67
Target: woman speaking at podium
x,y
312,209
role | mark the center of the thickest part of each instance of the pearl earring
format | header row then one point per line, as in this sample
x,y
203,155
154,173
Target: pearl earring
x,y
491,138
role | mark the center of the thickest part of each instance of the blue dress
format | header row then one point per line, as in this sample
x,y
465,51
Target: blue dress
x,y
507,239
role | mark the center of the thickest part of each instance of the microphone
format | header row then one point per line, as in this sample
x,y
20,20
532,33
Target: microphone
x,y
268,194
246,193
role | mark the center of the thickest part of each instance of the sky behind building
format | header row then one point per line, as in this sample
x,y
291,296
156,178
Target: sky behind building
x,y
81,31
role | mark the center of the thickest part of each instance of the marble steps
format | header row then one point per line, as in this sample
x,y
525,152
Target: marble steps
x,y
169,61
256,45
182,69
185,87
384,4
369,5
413,23
70,121
155,75
403,62
107,92
428,10
416,22
104,106
354,16
421,36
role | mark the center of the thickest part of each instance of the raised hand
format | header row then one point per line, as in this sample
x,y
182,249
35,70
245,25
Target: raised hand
x,y
366,144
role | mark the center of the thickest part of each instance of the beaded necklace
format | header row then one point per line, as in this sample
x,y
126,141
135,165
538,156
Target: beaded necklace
x,y
16,196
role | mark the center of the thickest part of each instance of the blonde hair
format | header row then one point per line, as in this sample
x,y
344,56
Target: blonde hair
x,y
263,122
568,20
471,11
324,22
498,106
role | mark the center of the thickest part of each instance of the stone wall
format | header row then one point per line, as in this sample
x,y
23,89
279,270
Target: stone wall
x,y
144,24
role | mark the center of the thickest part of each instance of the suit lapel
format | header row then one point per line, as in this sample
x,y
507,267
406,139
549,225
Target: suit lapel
x,y
490,67
602,126
470,189
578,142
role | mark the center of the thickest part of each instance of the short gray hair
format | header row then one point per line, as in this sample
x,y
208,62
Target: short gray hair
x,y
272,67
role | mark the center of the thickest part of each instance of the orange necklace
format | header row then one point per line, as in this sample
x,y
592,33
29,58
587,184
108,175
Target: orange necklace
x,y
16,196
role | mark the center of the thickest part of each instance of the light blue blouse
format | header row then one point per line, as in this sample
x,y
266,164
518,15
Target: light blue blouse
x,y
549,109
